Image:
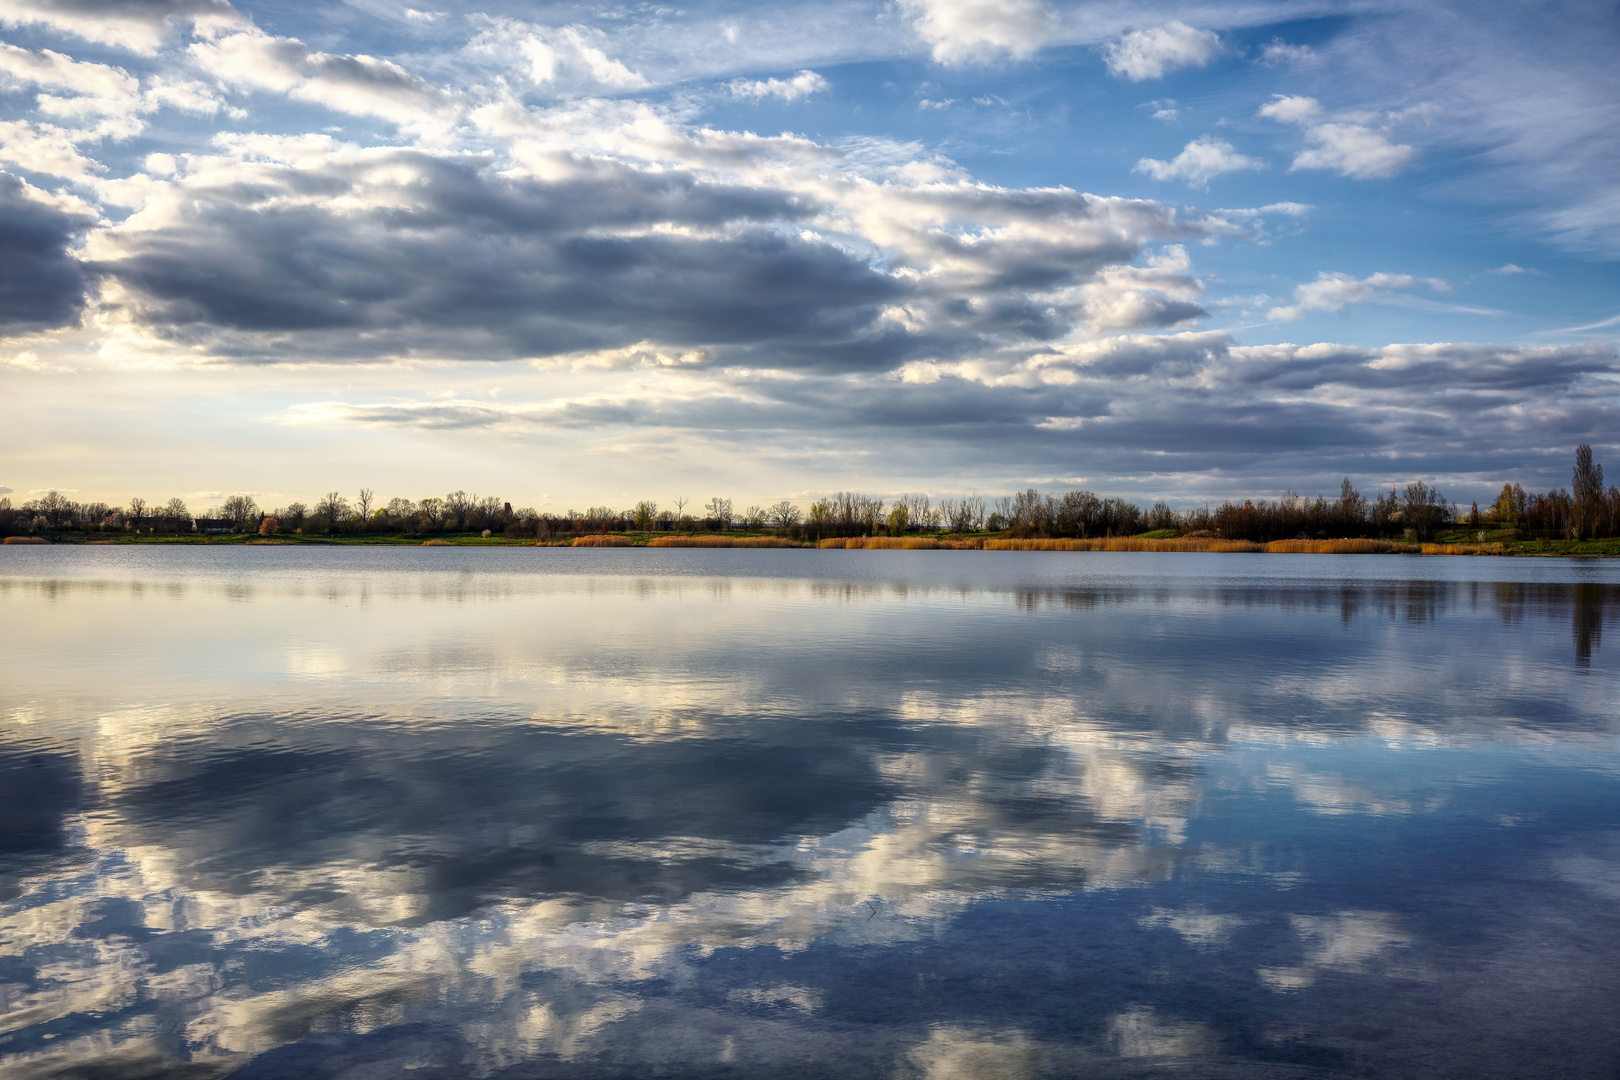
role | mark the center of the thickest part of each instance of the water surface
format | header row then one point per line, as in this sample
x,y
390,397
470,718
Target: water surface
x,y
455,813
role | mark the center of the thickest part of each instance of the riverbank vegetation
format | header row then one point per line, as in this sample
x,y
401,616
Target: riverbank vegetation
x,y
1414,518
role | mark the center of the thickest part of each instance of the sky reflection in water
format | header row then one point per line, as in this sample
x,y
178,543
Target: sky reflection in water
x,y
536,813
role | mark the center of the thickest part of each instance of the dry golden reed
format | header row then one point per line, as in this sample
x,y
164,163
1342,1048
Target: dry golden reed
x,y
26,540
603,541
899,543
1123,543
1345,547
1466,549
436,543
722,542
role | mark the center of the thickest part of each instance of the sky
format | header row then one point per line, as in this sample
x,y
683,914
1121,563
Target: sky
x,y
571,254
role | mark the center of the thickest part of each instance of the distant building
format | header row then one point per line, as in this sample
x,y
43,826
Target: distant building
x,y
215,525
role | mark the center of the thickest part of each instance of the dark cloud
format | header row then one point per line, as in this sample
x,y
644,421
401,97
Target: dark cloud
x,y
42,285
1148,414
482,266
406,253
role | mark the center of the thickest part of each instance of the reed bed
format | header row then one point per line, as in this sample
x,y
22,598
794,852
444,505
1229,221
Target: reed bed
x,y
26,540
1466,549
722,542
1345,547
1125,543
603,541
436,543
899,543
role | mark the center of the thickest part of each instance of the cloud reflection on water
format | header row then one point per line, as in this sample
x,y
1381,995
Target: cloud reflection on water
x,y
578,825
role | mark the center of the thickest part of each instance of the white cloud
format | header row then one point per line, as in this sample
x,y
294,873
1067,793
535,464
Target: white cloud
x,y
557,54
566,59
1353,150
45,149
1291,110
1287,209
356,84
1346,145
97,82
1201,160
801,85
142,26
1332,292
1509,269
1150,54
1280,52
1162,293
968,31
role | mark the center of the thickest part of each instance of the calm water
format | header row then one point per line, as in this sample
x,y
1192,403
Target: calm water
x,y
451,813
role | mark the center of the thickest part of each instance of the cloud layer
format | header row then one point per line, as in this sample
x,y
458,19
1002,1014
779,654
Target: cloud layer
x,y
506,226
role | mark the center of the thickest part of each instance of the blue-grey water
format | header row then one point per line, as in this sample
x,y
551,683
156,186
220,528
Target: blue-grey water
x,y
451,813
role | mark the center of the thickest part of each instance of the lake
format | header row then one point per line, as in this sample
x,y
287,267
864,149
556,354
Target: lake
x,y
455,812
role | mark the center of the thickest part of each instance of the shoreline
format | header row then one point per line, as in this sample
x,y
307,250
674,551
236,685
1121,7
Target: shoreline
x,y
1577,549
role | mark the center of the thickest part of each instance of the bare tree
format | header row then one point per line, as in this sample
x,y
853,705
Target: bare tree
x,y
1424,509
176,518
753,518
240,511
332,509
784,515
363,503
54,507
1586,492
460,504
720,512
137,510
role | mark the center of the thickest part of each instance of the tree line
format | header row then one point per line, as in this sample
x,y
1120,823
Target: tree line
x,y
1587,509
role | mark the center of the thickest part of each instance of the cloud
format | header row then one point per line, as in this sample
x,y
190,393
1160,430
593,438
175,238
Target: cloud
x,y
403,253
1347,148
799,86
1291,110
1151,54
976,31
1510,269
356,84
96,89
1193,409
432,416
557,59
42,284
1353,150
1200,161
5,490
45,149
1278,52
142,26
1287,209
1162,293
1332,292
303,248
